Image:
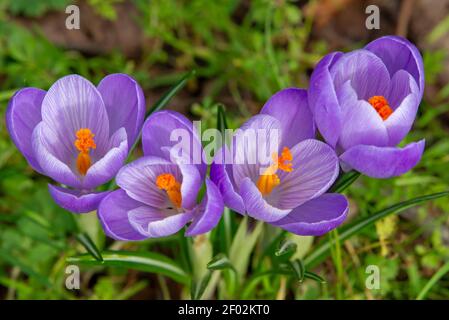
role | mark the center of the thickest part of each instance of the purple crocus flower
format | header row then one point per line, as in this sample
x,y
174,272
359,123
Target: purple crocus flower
x,y
158,193
365,102
291,191
77,134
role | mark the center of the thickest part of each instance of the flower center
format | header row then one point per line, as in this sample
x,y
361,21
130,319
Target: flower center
x,y
269,179
381,105
168,183
84,142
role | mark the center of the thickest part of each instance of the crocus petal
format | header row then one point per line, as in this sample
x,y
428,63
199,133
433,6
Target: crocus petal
x,y
398,53
208,213
45,146
191,185
404,94
221,175
315,169
256,206
362,125
22,116
368,74
105,168
73,103
323,100
154,223
76,201
383,162
138,179
125,104
290,107
316,217
253,146
113,215
171,129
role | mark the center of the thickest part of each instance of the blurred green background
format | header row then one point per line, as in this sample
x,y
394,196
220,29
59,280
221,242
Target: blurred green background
x,y
243,51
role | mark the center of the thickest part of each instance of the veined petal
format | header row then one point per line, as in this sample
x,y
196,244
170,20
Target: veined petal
x,y
221,175
73,103
22,116
323,99
368,74
398,53
256,206
316,217
290,107
171,129
74,200
125,104
113,215
155,223
45,144
383,162
105,168
208,213
315,169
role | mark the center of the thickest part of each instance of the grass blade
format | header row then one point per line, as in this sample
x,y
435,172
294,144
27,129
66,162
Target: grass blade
x,y
142,261
437,276
323,249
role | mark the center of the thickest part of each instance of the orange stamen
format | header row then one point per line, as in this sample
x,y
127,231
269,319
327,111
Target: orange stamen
x,y
269,179
168,183
380,104
84,142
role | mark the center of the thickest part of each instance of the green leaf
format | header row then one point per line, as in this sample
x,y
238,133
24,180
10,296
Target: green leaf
x,y
142,261
89,245
286,247
344,181
165,99
197,288
298,268
222,124
220,262
435,278
323,249
314,276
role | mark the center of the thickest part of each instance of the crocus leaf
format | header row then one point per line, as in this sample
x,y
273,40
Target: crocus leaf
x,y
162,102
298,268
89,245
314,276
323,249
142,261
220,262
344,181
437,276
222,124
286,248
197,288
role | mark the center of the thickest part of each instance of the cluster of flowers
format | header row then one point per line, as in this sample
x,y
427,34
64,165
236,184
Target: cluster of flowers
x,y
363,103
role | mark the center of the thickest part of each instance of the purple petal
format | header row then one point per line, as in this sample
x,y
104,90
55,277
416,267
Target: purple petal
x,y
113,215
22,116
323,100
125,104
398,53
155,223
208,213
76,201
106,168
48,155
316,217
73,103
404,97
383,162
138,179
190,186
368,74
253,146
315,169
221,175
290,107
159,132
362,125
256,206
